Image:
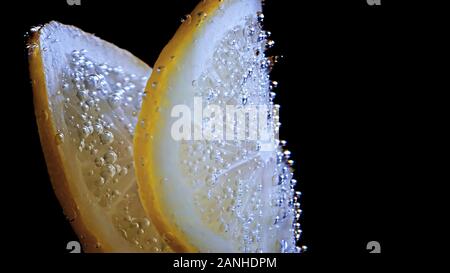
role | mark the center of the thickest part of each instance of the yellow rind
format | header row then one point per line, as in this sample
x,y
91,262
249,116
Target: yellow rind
x,y
150,124
90,241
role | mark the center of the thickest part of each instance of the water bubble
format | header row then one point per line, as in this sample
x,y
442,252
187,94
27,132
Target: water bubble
x,y
85,107
118,70
106,137
76,54
83,95
108,171
110,157
101,181
99,161
114,101
124,171
98,128
85,131
93,81
260,16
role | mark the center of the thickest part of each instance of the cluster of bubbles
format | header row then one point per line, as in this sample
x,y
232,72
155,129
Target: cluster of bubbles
x,y
230,176
100,103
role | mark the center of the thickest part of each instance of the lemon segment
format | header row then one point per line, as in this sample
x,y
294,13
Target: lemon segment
x,y
87,93
215,195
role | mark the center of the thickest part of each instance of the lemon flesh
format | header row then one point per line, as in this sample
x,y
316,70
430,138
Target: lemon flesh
x,y
215,195
87,93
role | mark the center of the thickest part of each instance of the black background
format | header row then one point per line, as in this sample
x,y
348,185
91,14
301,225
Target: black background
x,y
340,92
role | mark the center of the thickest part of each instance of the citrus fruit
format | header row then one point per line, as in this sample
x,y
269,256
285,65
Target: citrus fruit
x,y
215,194
87,93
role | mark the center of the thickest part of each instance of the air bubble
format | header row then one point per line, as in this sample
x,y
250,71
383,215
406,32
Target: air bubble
x,y
101,181
124,171
99,161
98,128
108,171
107,137
83,95
85,131
110,157
260,16
93,82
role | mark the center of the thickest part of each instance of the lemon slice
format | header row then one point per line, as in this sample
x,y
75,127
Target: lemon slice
x,y
87,93
229,195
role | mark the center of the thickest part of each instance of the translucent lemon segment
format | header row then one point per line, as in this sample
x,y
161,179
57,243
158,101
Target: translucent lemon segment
x,y
215,195
87,95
